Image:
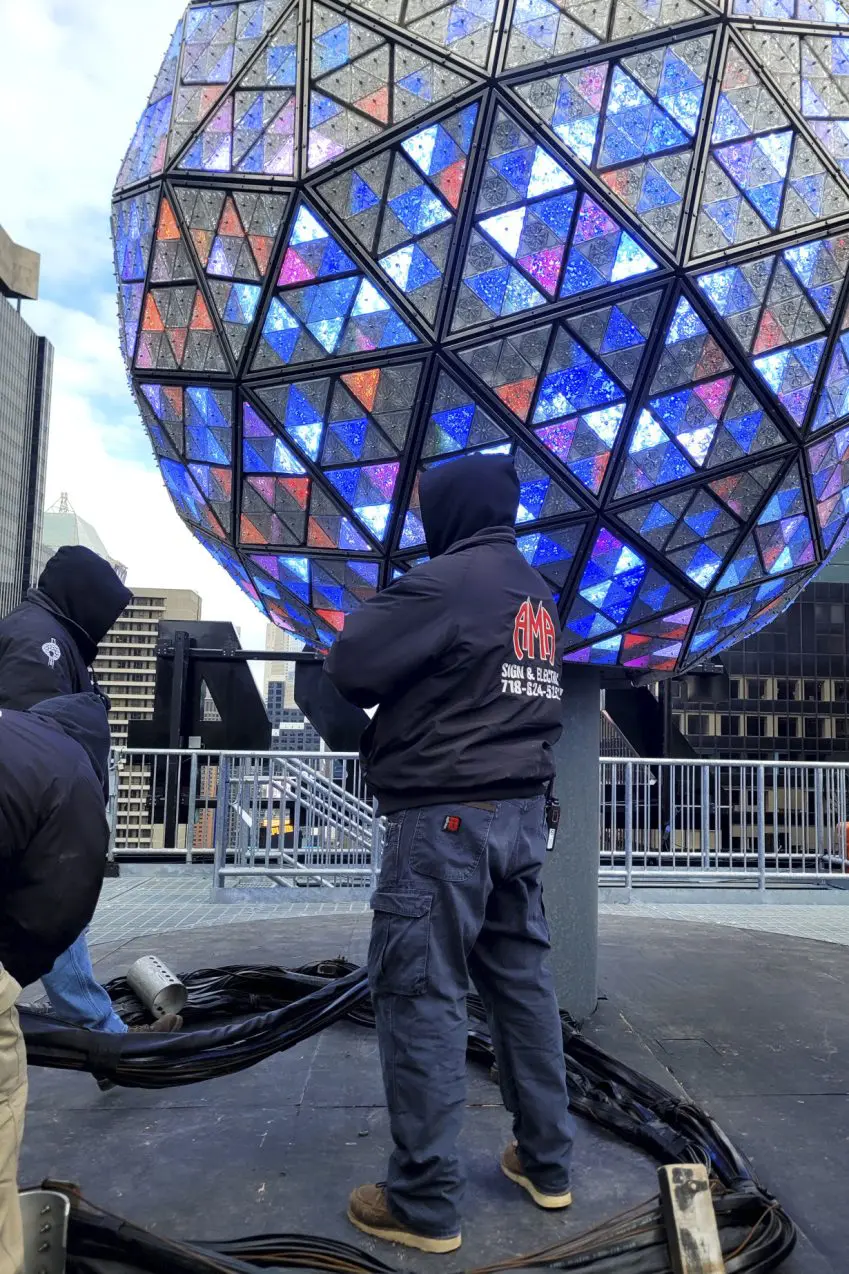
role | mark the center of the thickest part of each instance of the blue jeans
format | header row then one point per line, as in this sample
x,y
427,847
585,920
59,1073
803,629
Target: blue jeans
x,y
459,899
75,995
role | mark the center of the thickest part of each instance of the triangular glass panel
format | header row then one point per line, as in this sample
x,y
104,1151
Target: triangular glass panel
x,y
832,403
633,121
133,229
146,155
730,616
201,494
538,236
295,509
315,596
359,416
362,82
691,528
656,645
781,540
552,552
401,205
608,590
698,414
463,28
617,334
324,305
510,367
579,411
458,424
762,175
263,450
545,29
177,332
171,262
193,423
257,118
809,11
778,308
828,461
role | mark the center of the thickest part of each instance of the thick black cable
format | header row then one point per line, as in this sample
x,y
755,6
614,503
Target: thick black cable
x,y
278,1008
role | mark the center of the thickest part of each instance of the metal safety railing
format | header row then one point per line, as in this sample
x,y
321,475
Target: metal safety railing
x,y
707,822
303,819
288,818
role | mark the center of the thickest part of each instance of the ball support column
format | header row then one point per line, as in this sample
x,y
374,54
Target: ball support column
x,y
570,877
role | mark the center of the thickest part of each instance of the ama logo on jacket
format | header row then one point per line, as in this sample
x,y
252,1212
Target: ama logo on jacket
x,y
534,635
534,646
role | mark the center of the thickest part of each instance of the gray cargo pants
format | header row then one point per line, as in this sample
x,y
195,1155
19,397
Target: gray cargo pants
x,y
459,897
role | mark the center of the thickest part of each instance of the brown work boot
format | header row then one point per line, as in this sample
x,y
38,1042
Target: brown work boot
x,y
170,1022
511,1166
369,1212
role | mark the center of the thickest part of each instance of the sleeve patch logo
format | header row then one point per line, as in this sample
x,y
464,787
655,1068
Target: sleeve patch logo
x,y
53,652
534,635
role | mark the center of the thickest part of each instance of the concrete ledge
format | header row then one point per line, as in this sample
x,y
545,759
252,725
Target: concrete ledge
x,y
19,269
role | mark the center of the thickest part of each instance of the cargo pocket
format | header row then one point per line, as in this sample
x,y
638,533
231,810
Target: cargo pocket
x,y
400,936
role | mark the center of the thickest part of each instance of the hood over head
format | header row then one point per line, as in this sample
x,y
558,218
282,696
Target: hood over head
x,y
86,590
461,497
83,718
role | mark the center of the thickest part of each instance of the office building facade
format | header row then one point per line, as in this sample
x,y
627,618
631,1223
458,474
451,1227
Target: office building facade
x,y
293,733
126,670
26,371
784,693
280,676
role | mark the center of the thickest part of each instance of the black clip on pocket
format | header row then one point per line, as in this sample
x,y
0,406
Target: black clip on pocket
x,y
552,817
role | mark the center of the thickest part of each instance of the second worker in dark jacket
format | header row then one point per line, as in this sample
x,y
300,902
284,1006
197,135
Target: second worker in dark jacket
x,y
53,829
462,655
49,642
53,840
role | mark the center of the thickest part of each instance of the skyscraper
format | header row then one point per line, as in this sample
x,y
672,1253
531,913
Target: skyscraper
x,y
279,678
26,370
63,525
126,671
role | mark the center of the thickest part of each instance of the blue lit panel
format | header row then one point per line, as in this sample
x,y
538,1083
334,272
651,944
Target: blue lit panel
x,y
608,240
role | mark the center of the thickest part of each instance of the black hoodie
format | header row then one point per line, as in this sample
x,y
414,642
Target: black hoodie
x,y
53,830
462,654
48,643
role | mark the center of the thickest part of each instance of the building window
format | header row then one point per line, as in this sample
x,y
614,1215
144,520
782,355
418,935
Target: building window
x,y
788,690
729,726
788,727
755,727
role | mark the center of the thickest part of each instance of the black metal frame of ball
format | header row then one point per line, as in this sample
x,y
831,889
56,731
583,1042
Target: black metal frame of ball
x,y
439,348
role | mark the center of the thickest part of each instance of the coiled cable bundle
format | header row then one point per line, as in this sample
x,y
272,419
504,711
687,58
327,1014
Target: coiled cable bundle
x,y
263,1010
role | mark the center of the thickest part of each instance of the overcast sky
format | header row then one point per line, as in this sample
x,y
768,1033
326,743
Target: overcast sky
x,y
76,77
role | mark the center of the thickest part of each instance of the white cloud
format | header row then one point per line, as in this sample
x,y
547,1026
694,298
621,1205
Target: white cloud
x,y
76,77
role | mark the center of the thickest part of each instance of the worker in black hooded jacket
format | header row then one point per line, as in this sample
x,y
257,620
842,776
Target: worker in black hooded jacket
x,y
49,642
47,646
462,655
53,842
